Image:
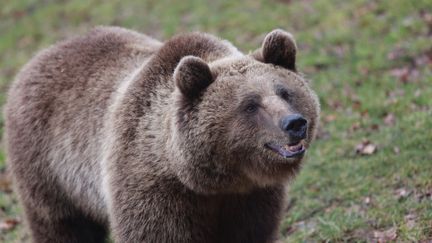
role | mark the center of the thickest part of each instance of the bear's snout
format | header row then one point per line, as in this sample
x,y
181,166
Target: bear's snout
x,y
295,126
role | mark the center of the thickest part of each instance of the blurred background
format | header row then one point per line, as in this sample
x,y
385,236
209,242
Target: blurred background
x,y
368,177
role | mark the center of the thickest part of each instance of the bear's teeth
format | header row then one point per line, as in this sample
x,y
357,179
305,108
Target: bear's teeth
x,y
294,148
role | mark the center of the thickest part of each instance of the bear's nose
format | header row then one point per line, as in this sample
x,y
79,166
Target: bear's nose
x,y
295,125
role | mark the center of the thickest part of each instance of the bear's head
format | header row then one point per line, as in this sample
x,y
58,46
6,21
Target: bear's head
x,y
244,121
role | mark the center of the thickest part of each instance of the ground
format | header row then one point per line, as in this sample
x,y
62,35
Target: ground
x,y
368,175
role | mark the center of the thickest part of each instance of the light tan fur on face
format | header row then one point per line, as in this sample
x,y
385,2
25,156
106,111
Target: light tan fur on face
x,y
115,131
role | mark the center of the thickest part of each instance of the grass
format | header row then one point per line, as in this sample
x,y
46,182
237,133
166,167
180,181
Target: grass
x,y
369,61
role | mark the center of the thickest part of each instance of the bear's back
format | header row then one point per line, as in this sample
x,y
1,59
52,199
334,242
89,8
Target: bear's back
x,y
56,108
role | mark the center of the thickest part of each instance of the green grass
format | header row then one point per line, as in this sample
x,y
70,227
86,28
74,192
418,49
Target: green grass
x,y
354,52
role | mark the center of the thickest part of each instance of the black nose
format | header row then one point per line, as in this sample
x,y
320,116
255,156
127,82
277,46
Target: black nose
x,y
295,125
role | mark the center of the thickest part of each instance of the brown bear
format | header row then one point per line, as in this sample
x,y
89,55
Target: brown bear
x,y
184,141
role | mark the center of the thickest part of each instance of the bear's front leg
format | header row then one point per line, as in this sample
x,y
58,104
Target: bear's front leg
x,y
162,211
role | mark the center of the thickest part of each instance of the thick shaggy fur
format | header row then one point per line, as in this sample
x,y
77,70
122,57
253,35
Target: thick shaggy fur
x,y
115,131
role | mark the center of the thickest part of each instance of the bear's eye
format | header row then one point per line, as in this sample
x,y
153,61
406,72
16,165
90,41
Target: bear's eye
x,y
251,108
283,93
250,104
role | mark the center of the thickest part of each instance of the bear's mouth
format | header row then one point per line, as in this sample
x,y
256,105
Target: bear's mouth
x,y
287,150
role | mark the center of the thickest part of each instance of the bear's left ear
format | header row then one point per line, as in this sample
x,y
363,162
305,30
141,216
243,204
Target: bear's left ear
x,y
279,48
192,75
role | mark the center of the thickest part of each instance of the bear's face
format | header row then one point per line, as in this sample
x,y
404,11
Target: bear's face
x,y
263,116
248,125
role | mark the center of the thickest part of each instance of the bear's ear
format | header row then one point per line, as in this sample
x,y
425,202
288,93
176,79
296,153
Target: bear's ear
x,y
278,48
192,75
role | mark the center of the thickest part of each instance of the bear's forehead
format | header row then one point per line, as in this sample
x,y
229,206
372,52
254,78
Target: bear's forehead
x,y
235,66
246,68
250,75
265,84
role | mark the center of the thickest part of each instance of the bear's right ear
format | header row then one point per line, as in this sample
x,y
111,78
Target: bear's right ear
x,y
192,75
278,48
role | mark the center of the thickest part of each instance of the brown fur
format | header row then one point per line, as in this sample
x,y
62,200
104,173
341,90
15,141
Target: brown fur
x,y
116,131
